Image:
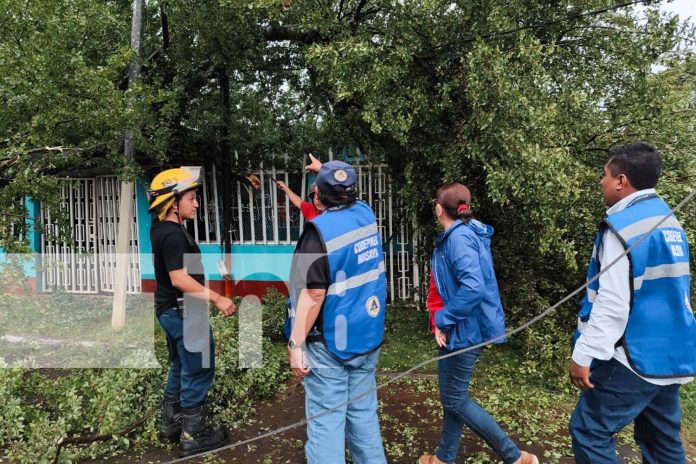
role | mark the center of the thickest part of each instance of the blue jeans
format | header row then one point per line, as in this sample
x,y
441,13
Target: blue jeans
x,y
454,374
189,376
330,383
619,398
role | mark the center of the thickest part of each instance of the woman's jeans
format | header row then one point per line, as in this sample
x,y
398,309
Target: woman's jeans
x,y
454,374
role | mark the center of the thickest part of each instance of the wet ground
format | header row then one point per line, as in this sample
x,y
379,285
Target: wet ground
x,y
409,416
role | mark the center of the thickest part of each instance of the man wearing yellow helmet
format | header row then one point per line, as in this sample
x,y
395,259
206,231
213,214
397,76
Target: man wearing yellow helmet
x,y
173,200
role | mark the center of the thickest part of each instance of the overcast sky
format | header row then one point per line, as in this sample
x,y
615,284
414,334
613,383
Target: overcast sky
x,y
684,8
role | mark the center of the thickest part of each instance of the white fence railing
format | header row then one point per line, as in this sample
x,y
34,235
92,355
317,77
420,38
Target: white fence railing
x,y
86,262
108,189
263,216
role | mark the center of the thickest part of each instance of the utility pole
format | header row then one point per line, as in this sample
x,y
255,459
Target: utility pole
x,y
125,206
226,170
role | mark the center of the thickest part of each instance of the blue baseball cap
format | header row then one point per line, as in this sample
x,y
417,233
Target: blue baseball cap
x,y
336,174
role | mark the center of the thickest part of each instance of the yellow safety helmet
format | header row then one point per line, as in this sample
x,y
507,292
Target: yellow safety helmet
x,y
168,184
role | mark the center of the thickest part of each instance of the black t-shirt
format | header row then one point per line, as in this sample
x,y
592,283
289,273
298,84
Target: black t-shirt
x,y
170,242
317,276
318,273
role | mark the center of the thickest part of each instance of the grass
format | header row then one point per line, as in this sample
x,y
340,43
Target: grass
x,y
70,331
407,341
688,395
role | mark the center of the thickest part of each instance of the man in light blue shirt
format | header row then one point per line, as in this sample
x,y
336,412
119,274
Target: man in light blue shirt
x,y
635,341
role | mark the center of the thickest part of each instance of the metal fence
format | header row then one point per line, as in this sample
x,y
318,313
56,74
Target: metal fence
x,y
263,216
266,216
86,262
108,191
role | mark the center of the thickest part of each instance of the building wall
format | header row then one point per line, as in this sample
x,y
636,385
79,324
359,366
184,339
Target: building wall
x,y
254,268
34,237
264,229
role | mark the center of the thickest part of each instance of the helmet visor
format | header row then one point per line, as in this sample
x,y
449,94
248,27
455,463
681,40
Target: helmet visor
x,y
194,180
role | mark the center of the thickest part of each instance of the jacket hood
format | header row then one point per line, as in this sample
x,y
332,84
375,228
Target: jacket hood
x,y
483,231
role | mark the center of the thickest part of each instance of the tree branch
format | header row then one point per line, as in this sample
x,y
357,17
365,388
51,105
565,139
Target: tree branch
x,y
123,83
278,33
58,148
572,17
165,28
339,15
356,16
8,141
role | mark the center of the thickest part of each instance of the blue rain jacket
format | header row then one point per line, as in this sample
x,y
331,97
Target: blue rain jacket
x,y
463,271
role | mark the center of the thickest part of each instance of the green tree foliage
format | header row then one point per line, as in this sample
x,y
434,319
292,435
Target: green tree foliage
x,y
522,111
519,100
63,72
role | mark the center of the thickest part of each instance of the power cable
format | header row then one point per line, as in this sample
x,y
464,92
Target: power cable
x,y
454,353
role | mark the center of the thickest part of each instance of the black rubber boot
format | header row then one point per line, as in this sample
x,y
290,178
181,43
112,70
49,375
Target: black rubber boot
x,y
169,424
196,437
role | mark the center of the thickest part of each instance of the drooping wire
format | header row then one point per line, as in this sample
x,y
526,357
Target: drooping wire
x,y
401,375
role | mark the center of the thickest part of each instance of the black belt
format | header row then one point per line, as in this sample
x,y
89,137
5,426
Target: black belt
x,y
314,338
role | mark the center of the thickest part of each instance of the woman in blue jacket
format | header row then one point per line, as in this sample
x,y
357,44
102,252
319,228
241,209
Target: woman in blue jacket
x,y
462,268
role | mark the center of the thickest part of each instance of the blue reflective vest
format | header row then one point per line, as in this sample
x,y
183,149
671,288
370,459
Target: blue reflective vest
x,y
354,309
660,336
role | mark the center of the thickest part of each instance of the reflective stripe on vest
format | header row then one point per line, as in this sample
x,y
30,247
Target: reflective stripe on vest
x,y
339,288
661,271
643,226
350,237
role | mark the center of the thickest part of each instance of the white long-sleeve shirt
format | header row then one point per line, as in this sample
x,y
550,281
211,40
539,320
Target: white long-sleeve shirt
x,y
611,306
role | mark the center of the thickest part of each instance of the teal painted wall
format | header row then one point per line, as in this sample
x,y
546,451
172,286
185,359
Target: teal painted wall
x,y
144,224
33,236
249,262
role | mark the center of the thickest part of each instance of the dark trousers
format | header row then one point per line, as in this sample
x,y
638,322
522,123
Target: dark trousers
x,y
619,398
193,359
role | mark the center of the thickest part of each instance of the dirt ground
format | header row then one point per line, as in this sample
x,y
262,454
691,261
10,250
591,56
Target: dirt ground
x,y
409,416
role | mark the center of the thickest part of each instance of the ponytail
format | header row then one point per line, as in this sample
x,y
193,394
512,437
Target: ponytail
x,y
455,200
464,212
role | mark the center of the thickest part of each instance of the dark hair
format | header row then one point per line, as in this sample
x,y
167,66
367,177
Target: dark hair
x,y
338,196
639,162
451,196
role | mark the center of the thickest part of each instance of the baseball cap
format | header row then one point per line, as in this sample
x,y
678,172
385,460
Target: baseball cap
x,y
335,174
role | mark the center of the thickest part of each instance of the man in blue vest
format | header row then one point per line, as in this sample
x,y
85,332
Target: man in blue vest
x,y
338,293
636,339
